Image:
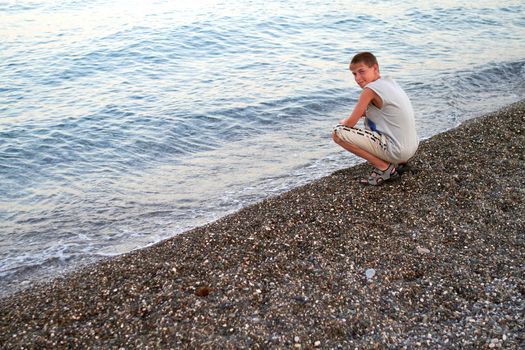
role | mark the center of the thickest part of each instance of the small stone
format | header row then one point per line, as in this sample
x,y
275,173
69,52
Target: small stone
x,y
422,250
370,273
317,343
296,339
203,291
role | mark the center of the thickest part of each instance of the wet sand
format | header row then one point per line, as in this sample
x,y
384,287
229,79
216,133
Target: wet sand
x,y
435,259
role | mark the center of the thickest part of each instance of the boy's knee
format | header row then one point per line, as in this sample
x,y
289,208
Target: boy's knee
x,y
335,137
335,133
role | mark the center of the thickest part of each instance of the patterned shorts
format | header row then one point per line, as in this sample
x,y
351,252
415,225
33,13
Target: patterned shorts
x,y
370,141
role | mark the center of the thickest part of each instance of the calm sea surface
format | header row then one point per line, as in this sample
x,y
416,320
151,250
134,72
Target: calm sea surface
x,y
123,123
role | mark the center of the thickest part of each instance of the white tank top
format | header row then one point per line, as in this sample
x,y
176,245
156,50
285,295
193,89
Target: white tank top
x,y
395,120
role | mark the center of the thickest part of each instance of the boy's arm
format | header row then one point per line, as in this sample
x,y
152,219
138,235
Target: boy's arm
x,y
360,108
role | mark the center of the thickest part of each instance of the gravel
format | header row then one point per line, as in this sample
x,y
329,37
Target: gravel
x,y
432,260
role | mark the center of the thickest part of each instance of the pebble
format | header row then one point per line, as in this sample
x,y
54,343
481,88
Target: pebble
x,y
370,273
422,250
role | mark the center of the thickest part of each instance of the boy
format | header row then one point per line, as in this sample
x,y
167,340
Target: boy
x,y
389,137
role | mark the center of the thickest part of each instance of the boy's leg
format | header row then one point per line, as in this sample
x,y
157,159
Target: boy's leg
x,y
361,143
372,159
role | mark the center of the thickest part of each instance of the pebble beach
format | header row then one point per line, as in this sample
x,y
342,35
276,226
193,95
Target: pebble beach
x,y
434,260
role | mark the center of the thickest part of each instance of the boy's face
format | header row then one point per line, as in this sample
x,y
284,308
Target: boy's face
x,y
364,74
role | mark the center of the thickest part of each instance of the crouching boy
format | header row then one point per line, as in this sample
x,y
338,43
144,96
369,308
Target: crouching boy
x,y
389,138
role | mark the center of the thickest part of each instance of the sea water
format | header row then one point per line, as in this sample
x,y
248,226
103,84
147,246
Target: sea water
x,y
123,123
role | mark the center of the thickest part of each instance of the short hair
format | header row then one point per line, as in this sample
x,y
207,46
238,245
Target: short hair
x,y
364,57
